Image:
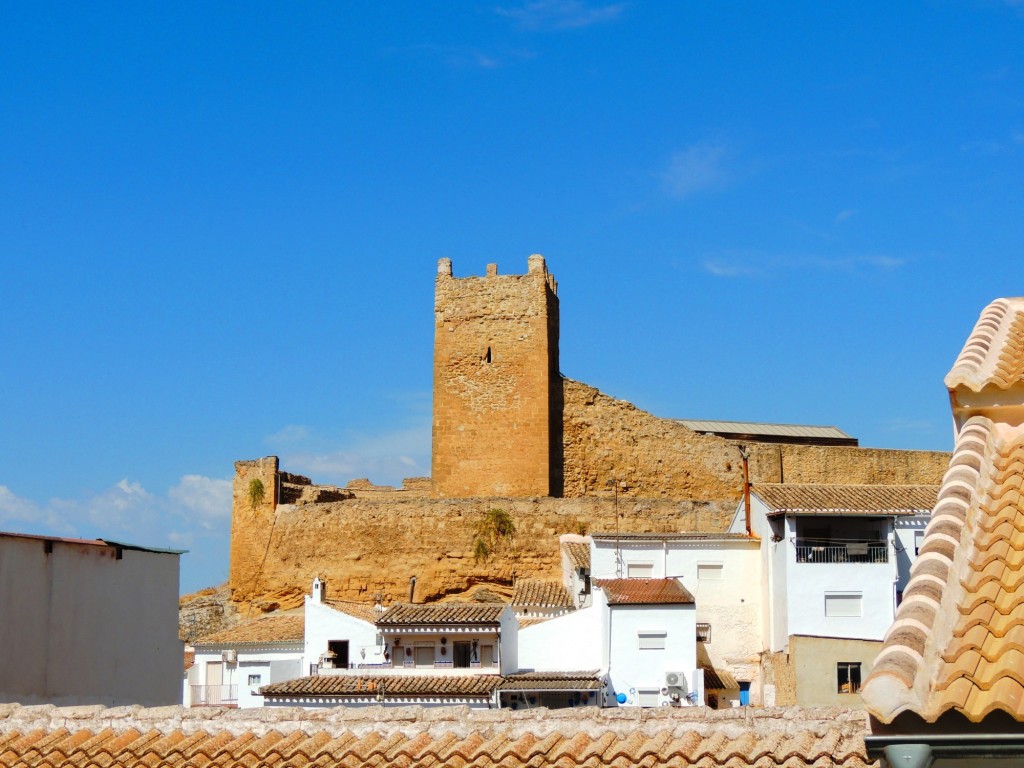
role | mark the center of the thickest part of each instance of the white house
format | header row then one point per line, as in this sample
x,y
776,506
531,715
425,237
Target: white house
x,y
435,654
723,572
340,634
231,665
88,621
640,636
834,560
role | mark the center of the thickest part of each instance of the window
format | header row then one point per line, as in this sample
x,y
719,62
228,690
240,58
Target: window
x,y
648,697
703,632
651,640
918,541
254,679
843,604
709,571
460,654
486,655
337,652
424,655
848,676
640,570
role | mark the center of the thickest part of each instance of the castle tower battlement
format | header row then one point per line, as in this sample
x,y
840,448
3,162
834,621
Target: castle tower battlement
x,y
497,427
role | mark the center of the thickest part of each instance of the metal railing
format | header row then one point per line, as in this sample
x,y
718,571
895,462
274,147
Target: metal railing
x,y
850,552
214,695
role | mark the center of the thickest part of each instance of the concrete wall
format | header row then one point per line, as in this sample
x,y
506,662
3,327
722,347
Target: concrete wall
x,y
573,642
91,627
496,414
814,661
631,670
907,530
807,585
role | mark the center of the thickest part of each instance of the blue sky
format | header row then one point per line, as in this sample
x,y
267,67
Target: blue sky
x,y
219,226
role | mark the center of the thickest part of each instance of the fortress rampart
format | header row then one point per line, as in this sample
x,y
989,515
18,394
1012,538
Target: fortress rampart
x,y
510,432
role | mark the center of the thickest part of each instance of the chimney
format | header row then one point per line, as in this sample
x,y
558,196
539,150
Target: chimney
x,y
412,589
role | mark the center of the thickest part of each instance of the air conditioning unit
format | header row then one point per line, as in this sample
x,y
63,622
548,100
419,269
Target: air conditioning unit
x,y
230,656
675,687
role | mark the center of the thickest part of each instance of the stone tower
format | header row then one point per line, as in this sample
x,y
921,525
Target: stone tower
x,y
497,390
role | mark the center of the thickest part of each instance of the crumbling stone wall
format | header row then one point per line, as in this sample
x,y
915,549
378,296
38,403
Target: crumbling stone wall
x,y
607,439
496,415
363,546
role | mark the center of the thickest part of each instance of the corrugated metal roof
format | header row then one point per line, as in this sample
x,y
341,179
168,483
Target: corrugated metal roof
x,y
796,433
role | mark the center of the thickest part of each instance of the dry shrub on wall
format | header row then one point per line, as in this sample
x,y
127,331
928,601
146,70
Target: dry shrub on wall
x,y
256,493
495,527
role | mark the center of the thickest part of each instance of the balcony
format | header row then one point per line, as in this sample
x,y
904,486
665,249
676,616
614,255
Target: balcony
x,y
848,552
214,695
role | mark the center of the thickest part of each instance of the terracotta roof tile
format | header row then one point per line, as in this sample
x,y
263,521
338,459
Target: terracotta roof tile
x,y
534,592
404,614
365,611
390,684
819,499
994,353
551,681
578,554
644,591
271,629
957,643
413,737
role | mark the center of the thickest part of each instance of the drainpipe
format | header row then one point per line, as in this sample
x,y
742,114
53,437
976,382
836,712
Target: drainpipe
x,y
746,486
412,588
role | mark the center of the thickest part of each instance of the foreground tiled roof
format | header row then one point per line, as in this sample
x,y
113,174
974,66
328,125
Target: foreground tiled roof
x,y
404,614
414,737
957,642
578,553
817,499
391,684
994,353
644,591
271,629
534,592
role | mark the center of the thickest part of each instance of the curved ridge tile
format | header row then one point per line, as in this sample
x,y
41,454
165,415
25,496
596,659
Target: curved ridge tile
x,y
992,355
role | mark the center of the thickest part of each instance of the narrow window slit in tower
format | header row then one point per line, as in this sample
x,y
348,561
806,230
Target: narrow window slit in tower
x,y
487,357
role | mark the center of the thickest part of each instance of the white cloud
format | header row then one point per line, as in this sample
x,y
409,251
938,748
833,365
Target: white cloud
x,y
14,508
561,14
698,168
207,499
748,264
386,457
720,268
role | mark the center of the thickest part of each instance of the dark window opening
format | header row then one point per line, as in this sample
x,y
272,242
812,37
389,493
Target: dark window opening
x,y
848,676
461,654
487,356
337,652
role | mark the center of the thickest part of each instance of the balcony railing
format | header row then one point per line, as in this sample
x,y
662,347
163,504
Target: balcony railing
x,y
851,552
214,695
